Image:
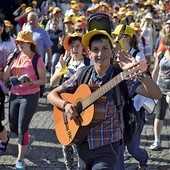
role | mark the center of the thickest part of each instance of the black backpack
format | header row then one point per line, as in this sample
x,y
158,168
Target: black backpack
x,y
128,114
99,21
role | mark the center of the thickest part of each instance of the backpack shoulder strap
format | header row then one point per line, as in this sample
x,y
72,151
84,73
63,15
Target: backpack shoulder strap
x,y
135,52
86,74
86,60
34,63
143,41
160,56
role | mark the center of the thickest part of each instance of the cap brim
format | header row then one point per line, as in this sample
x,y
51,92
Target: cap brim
x,y
22,40
67,39
87,37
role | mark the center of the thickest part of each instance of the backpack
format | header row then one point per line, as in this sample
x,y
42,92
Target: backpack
x,y
128,115
34,63
99,21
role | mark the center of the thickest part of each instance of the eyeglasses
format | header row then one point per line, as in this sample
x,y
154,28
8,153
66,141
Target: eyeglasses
x,y
79,30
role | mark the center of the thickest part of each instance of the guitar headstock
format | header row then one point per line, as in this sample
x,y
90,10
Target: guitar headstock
x,y
135,70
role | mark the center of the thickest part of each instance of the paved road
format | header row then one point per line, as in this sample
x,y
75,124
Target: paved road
x,y
46,151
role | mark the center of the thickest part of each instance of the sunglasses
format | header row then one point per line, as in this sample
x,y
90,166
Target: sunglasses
x,y
79,30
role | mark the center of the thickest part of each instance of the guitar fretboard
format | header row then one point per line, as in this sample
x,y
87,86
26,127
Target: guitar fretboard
x,y
101,91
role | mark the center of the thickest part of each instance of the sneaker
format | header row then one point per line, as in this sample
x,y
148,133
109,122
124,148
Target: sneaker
x,y
3,146
31,140
20,165
155,146
141,167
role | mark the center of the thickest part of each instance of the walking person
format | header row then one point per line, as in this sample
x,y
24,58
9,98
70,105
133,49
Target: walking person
x,y
65,68
24,94
55,35
130,44
161,75
7,46
99,149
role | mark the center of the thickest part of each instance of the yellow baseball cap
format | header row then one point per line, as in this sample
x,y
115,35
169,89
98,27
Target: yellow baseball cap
x,y
87,37
128,30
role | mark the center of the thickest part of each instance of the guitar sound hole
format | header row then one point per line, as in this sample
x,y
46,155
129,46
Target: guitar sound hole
x,y
79,107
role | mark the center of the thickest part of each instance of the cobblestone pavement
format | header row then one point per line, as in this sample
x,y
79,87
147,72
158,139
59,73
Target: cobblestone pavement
x,y
46,153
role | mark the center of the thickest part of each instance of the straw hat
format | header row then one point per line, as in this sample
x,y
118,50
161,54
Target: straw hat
x,y
8,24
25,36
67,39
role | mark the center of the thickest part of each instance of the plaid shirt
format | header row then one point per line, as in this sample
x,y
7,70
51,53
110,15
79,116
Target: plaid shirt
x,y
109,130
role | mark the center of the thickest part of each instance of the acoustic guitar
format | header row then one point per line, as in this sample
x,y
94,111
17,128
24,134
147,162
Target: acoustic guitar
x,y
88,101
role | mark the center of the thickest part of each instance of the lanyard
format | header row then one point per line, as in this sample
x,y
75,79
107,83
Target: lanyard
x,y
20,64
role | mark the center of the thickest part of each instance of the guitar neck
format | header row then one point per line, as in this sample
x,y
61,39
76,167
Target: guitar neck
x,y
101,91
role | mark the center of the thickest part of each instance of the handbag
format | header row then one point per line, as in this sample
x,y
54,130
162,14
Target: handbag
x,y
149,105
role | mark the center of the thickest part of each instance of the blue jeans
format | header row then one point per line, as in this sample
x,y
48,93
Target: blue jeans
x,y
99,158
133,148
55,59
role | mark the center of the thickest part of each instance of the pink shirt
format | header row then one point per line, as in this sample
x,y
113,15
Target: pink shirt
x,y
25,67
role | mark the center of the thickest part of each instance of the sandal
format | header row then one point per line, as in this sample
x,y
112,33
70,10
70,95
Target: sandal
x,y
3,146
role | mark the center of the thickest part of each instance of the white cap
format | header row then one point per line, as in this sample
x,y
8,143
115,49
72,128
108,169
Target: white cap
x,y
148,16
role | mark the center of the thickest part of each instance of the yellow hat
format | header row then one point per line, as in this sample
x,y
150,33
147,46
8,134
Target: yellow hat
x,y
122,11
126,30
34,2
75,7
87,37
25,36
67,19
104,4
67,39
56,10
162,8
96,6
73,2
130,13
50,8
28,9
135,26
23,5
8,24
82,19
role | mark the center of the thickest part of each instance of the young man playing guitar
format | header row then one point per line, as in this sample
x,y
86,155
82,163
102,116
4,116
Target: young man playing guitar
x,y
98,146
